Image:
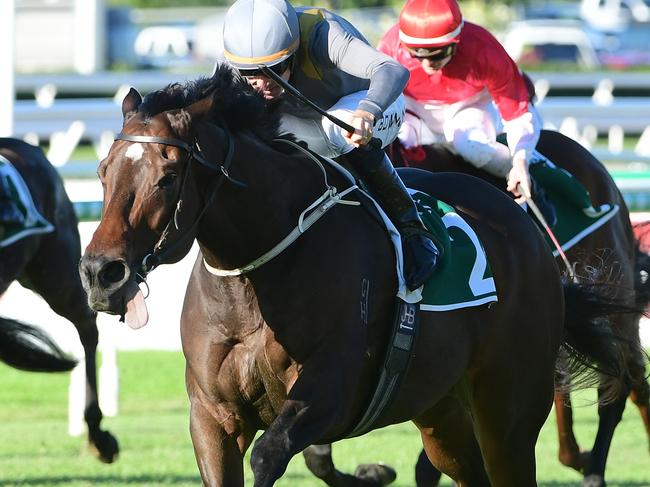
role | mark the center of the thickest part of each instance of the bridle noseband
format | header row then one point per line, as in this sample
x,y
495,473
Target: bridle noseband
x,y
159,252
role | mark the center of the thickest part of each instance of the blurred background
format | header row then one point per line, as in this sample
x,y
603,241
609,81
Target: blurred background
x,y
65,66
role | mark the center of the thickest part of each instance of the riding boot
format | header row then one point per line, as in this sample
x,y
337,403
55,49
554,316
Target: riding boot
x,y
546,208
378,174
10,214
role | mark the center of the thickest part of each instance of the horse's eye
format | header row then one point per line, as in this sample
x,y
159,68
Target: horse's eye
x,y
167,180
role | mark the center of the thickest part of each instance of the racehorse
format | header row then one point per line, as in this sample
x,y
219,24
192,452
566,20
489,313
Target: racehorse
x,y
613,246
47,264
292,342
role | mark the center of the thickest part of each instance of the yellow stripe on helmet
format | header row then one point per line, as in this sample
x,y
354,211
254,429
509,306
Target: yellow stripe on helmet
x,y
262,59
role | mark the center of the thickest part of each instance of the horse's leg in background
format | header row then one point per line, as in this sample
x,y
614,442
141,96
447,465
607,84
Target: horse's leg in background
x,y
53,274
640,394
609,415
449,442
426,475
569,452
318,459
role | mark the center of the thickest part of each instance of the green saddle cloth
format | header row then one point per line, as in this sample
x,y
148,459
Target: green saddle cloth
x,y
463,277
576,217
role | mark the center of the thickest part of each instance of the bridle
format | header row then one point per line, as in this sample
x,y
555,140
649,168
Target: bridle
x,y
160,251
307,218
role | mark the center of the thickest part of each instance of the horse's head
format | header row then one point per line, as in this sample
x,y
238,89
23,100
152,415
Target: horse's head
x,y
151,200
160,174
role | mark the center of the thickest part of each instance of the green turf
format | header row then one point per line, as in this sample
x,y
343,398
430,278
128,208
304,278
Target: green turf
x,y
152,427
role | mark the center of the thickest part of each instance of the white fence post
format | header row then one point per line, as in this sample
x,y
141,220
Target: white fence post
x,y
77,399
89,23
7,93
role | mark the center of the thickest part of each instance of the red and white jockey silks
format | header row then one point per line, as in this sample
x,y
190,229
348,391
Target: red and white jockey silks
x,y
481,77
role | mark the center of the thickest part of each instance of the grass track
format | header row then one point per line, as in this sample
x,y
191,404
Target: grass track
x,y
152,427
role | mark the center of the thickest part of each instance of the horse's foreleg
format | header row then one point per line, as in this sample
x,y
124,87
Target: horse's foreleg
x,y
53,274
318,459
296,427
102,442
219,450
317,401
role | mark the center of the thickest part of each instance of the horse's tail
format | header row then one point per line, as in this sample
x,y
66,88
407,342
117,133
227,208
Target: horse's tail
x,y
26,347
592,353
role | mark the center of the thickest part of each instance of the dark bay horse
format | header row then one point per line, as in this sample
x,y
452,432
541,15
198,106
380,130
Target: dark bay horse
x,y
47,264
613,247
294,346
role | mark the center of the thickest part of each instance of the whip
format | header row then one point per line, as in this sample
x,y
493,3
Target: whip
x,y
538,214
374,141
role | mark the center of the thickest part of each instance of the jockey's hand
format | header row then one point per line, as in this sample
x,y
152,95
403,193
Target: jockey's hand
x,y
363,122
519,178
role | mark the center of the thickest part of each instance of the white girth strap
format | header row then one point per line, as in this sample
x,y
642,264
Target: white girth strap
x,y
319,207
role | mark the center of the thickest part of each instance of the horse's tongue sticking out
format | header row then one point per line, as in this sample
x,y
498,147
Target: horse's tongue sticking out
x,y
136,309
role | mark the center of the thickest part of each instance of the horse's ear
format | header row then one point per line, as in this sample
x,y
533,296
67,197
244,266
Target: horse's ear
x,y
130,104
201,108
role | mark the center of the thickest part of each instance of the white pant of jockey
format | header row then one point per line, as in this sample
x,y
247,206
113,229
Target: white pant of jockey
x,y
471,130
385,129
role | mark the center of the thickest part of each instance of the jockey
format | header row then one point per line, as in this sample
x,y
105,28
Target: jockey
x,y
465,89
331,63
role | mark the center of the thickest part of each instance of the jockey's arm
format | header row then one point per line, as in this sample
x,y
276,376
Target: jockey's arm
x,y
354,56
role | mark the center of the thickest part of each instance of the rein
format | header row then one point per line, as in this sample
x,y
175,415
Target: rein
x,y
318,208
159,253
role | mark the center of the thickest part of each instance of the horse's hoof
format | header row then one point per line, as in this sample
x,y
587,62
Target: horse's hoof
x,y
375,474
593,480
104,446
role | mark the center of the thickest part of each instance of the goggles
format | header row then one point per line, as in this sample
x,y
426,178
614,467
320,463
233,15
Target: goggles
x,y
278,69
432,53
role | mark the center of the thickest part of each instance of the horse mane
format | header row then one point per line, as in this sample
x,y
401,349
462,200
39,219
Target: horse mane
x,y
237,104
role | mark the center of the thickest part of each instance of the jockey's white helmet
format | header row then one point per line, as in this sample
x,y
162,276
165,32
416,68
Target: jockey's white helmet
x,y
260,32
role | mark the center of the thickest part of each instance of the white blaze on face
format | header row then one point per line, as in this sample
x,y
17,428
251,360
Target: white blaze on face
x,y
134,152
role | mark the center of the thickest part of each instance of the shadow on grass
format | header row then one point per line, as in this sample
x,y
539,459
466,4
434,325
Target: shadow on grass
x,y
108,480
609,484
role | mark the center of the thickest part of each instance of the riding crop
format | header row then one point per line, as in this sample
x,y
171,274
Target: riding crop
x,y
538,214
374,141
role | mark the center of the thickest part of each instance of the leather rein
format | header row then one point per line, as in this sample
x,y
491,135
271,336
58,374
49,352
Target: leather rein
x,y
160,251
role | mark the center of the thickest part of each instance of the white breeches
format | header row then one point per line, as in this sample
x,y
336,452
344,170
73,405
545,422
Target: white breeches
x,y
385,129
471,130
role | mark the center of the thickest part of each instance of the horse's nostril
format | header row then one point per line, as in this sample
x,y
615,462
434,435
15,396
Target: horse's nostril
x,y
112,272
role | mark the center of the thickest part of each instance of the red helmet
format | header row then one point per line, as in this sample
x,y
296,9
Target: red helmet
x,y
430,23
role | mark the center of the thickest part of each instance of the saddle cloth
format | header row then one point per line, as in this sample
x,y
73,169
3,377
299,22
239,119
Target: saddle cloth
x,y
463,277
576,217
34,222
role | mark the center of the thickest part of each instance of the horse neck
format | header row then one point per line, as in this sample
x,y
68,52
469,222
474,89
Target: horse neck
x,y
243,223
